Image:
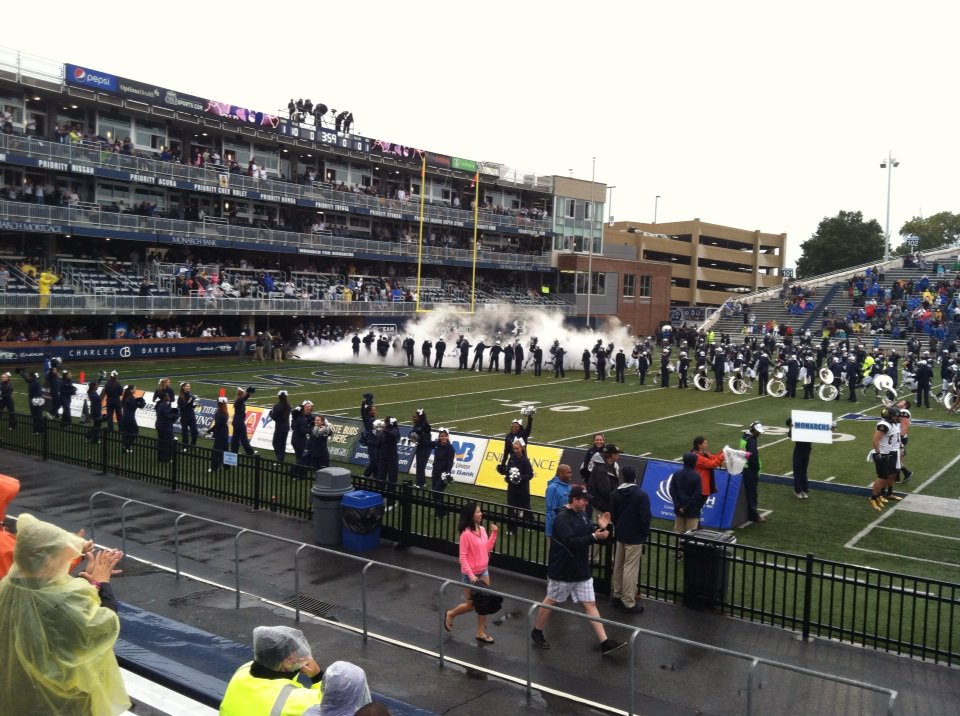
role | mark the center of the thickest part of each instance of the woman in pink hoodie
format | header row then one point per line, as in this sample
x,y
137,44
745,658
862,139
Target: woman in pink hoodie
x,y
475,549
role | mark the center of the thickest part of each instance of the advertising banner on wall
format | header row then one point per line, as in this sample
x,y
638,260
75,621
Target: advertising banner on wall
x,y
719,512
468,456
543,458
116,350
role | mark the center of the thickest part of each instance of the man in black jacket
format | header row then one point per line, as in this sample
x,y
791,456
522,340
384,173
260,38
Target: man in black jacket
x,y
568,569
630,511
686,492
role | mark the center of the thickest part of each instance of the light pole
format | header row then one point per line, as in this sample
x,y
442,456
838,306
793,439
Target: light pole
x,y
593,175
889,163
656,205
610,204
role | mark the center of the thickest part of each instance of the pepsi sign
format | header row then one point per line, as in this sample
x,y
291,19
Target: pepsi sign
x,y
91,79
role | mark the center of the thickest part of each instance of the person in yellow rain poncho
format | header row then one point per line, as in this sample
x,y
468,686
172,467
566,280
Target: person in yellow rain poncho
x,y
46,280
56,645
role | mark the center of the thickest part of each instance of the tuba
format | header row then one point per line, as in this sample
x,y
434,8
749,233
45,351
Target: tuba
x,y
702,381
738,383
828,391
826,375
776,387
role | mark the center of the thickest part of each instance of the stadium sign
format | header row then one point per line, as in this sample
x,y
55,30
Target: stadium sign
x,y
91,79
122,350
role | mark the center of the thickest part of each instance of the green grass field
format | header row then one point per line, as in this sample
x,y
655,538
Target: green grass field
x,y
919,538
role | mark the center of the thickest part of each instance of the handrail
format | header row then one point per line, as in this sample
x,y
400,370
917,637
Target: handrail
x,y
195,232
214,176
443,583
94,303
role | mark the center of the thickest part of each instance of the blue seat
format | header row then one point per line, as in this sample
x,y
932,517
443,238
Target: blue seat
x,y
191,661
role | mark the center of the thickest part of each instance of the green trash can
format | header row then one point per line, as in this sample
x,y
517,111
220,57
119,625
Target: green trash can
x,y
329,487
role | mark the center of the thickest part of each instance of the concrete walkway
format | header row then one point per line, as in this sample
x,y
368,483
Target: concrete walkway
x,y
671,678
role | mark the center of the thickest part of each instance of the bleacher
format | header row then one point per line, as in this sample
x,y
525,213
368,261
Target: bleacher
x,y
25,283
825,299
519,296
93,277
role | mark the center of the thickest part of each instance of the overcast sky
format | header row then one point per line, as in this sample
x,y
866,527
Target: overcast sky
x,y
758,115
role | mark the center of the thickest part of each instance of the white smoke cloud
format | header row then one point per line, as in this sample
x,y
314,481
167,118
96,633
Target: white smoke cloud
x,y
488,327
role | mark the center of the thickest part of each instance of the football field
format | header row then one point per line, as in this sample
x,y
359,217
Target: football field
x,y
918,536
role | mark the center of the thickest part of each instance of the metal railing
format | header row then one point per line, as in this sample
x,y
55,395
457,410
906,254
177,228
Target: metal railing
x,y
888,611
124,304
58,219
748,701
92,153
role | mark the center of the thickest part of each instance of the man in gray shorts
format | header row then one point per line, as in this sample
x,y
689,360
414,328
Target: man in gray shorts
x,y
568,570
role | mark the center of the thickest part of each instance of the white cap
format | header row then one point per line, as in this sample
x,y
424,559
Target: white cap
x,y
222,399
757,427
282,392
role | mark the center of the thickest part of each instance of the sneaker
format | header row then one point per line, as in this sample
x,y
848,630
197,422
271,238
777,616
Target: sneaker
x,y
907,475
798,495
882,499
893,497
876,504
539,640
608,646
805,495
635,609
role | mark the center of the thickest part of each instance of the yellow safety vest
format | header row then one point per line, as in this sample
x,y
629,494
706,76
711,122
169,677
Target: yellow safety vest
x,y
252,696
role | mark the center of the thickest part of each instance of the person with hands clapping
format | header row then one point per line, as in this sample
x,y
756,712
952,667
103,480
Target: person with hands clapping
x,y
475,549
56,649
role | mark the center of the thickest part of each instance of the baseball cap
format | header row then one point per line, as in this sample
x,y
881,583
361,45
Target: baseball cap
x,y
757,427
610,449
579,491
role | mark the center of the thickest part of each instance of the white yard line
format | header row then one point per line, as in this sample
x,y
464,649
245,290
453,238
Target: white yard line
x,y
923,534
888,553
657,420
892,509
